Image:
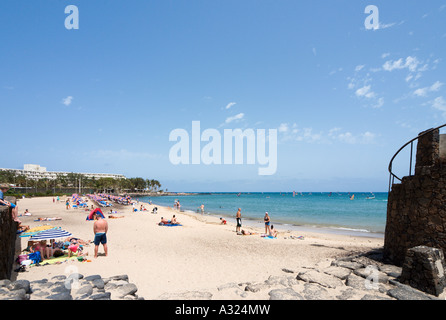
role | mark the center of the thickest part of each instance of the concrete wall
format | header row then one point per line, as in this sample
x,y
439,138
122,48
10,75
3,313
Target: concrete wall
x,y
8,234
416,208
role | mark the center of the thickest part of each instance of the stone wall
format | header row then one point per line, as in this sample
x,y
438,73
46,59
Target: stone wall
x,y
8,234
416,208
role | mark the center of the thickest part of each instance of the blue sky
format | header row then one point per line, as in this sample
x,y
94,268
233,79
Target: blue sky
x,y
105,97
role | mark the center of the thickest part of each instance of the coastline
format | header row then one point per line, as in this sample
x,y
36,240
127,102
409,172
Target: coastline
x,y
201,254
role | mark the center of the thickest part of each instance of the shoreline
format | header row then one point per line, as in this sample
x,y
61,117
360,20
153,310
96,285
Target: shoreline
x,y
257,223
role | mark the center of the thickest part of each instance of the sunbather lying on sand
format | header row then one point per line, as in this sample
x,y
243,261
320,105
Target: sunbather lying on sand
x,y
115,217
248,233
48,219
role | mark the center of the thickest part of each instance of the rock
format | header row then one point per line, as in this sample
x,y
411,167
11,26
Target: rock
x,y
405,292
127,289
188,295
123,277
286,281
86,289
391,270
60,296
256,287
315,292
320,278
232,285
360,283
76,287
5,283
374,297
423,269
99,283
100,296
92,278
339,272
18,294
347,264
348,294
287,270
20,284
284,294
372,274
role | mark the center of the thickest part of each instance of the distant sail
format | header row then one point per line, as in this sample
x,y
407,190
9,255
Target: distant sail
x,y
352,197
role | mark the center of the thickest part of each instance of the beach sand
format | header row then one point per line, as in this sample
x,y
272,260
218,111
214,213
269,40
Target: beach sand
x,y
200,255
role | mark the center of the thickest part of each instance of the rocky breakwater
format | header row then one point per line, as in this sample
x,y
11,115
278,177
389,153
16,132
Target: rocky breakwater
x,y
72,287
353,277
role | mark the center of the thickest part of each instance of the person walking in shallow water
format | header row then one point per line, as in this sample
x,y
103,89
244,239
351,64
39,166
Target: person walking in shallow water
x,y
238,218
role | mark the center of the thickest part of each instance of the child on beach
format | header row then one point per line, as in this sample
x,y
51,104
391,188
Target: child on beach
x,y
223,221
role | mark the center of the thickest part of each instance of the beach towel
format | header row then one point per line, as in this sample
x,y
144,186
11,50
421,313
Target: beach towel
x,y
169,225
268,237
58,260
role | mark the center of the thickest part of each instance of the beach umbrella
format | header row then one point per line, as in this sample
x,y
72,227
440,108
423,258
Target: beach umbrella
x,y
35,230
50,234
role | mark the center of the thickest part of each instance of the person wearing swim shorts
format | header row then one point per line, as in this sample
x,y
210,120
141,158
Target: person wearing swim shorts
x,y
238,217
100,229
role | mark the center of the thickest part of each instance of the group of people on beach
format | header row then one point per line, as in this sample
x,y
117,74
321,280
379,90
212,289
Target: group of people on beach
x,y
269,228
172,221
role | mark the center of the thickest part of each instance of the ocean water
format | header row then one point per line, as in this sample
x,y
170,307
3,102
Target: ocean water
x,y
366,213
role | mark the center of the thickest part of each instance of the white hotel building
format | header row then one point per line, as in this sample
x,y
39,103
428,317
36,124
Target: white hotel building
x,y
36,172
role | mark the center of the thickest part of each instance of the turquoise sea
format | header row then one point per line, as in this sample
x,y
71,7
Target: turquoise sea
x,y
336,211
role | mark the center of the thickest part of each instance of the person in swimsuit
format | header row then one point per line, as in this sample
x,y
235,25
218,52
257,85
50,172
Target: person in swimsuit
x,y
238,217
267,223
100,229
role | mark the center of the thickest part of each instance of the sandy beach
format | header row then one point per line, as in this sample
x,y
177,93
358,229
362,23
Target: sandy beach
x,y
200,255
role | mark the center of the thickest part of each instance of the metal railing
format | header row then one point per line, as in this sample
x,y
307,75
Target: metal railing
x,y
392,175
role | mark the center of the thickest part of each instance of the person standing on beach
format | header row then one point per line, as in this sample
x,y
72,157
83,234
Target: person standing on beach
x,y
100,229
202,208
267,223
238,217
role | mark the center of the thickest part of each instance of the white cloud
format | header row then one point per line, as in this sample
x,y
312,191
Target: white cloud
x,y
67,101
422,92
439,104
235,118
410,63
385,55
333,135
229,105
379,103
365,92
359,68
283,127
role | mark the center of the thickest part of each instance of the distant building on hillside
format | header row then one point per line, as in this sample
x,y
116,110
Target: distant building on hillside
x,y
36,172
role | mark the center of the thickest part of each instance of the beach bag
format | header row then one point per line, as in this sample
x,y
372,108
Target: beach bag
x,y
21,258
35,257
